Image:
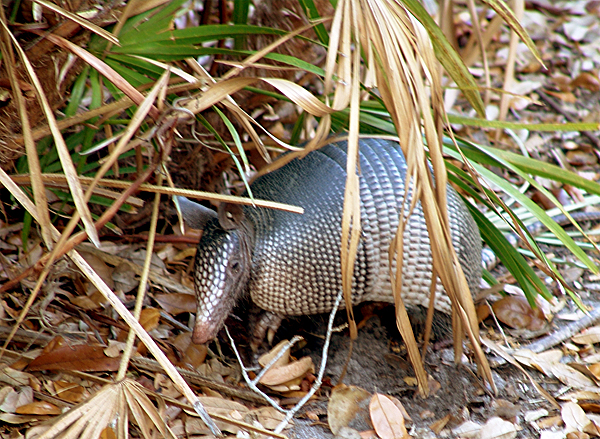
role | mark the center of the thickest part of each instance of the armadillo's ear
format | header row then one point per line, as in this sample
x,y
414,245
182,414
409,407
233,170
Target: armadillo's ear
x,y
231,216
194,215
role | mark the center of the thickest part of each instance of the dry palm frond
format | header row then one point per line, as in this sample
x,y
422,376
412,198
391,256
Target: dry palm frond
x,y
110,408
401,59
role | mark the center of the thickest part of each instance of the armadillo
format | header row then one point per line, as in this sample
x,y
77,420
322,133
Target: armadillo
x,y
290,265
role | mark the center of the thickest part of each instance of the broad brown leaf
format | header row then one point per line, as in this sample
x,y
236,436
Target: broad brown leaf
x,y
82,358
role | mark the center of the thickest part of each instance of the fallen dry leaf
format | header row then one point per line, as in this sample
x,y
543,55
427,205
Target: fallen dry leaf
x,y
496,428
13,377
387,418
439,425
293,371
69,391
39,408
345,404
269,417
83,358
586,80
516,313
13,399
468,429
588,336
571,377
574,417
177,303
265,359
149,318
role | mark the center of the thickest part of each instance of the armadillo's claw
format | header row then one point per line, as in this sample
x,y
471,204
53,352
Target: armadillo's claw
x,y
267,324
270,336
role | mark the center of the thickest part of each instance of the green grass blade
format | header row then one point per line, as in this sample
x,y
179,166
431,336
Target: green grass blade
x,y
240,16
312,13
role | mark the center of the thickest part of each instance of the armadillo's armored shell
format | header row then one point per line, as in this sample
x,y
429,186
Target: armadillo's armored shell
x,y
295,266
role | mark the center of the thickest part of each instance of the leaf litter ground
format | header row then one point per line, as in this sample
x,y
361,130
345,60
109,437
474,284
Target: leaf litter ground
x,y
69,305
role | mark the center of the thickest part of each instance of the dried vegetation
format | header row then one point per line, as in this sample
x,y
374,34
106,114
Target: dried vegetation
x,y
110,108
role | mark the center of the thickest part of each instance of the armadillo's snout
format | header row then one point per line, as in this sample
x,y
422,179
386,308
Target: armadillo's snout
x,y
219,281
205,331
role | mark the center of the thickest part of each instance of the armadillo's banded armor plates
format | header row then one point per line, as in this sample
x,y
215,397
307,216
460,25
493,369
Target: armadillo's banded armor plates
x,y
296,258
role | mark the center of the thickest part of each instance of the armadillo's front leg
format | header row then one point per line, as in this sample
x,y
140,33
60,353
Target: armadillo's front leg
x,y
267,324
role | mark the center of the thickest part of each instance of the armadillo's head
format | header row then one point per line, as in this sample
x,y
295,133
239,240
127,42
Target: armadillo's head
x,y
222,265
221,272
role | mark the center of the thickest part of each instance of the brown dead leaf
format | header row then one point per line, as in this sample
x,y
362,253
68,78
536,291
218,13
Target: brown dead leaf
x,y
100,267
13,377
293,371
586,80
83,358
516,313
588,336
108,433
12,399
550,422
164,386
346,403
84,302
483,312
571,377
581,158
387,418
39,408
177,303
282,361
562,82
149,318
69,391
193,354
567,97
269,417
590,407
439,425
115,348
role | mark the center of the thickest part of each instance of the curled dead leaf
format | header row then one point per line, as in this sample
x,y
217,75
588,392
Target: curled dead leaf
x,y
516,312
69,391
284,374
266,358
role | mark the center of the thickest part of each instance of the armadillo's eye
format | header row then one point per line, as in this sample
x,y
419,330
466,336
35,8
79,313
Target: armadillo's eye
x,y
235,267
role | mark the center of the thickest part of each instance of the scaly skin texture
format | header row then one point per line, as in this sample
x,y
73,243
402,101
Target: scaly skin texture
x,y
290,263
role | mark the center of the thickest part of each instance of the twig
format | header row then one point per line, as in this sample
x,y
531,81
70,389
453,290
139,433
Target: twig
x,y
317,384
564,333
251,383
198,380
289,414
286,347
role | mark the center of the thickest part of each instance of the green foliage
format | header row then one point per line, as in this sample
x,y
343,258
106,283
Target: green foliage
x,y
151,36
